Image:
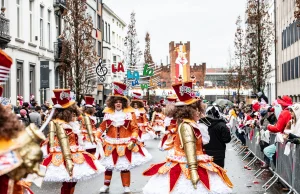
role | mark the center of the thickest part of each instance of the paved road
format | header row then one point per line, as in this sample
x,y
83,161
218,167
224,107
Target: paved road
x,y
241,178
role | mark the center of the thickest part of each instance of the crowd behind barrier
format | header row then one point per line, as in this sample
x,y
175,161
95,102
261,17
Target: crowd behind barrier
x,y
287,167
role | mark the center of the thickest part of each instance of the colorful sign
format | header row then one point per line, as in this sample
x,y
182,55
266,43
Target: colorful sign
x,y
119,69
134,76
181,63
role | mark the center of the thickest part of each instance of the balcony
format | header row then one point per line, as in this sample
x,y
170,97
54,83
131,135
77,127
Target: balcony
x,y
62,48
59,5
4,32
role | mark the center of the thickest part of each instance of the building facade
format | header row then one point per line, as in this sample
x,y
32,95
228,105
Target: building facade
x,y
288,50
270,88
114,32
32,30
35,27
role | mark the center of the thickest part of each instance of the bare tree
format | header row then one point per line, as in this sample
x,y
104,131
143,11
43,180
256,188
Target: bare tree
x,y
238,80
78,49
133,52
259,40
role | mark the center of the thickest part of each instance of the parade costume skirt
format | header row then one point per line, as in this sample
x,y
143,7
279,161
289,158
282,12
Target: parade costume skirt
x,y
159,128
166,142
80,172
147,136
173,176
123,163
159,184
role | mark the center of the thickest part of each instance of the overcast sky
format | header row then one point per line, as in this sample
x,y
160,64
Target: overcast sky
x,y
208,24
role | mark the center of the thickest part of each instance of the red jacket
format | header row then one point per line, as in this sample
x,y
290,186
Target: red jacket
x,y
283,119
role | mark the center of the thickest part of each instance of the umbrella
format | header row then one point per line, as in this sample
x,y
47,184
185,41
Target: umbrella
x,y
223,102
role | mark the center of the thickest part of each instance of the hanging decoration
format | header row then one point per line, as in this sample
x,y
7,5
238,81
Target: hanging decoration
x,y
134,77
101,71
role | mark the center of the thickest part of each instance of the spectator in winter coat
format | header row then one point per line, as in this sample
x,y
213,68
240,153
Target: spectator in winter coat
x,y
262,98
284,116
283,120
23,117
293,130
26,107
45,106
35,116
219,136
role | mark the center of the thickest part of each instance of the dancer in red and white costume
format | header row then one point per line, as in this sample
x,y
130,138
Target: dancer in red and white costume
x,y
145,131
67,161
166,142
20,152
91,136
187,169
121,147
157,121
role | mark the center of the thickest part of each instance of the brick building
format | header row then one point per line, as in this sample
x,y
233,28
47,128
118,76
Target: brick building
x,y
170,73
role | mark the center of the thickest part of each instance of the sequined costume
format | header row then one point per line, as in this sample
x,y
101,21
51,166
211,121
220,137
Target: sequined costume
x,y
187,169
91,136
20,152
121,147
67,160
167,140
145,130
158,122
121,127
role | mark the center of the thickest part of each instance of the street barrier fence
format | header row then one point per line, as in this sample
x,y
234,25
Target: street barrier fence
x,y
287,166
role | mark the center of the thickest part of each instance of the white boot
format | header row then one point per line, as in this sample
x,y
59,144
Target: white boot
x,y
104,189
127,190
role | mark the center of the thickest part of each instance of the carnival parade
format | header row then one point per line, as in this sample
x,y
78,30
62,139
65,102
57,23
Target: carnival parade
x,y
83,110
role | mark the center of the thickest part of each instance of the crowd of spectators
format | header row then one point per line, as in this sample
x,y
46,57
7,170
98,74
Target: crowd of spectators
x,y
282,118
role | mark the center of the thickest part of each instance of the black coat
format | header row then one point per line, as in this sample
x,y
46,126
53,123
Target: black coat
x,y
219,136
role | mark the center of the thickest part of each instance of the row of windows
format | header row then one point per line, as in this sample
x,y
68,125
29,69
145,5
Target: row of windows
x,y
290,35
290,69
116,39
20,81
45,21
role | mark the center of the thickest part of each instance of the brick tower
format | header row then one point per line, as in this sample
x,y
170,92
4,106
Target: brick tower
x,y
173,51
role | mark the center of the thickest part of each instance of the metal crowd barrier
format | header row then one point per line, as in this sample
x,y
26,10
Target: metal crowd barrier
x,y
287,167
296,169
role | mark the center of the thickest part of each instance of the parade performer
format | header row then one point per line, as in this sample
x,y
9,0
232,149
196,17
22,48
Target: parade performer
x,y
122,150
170,123
91,137
163,106
67,161
187,168
157,121
20,153
145,132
